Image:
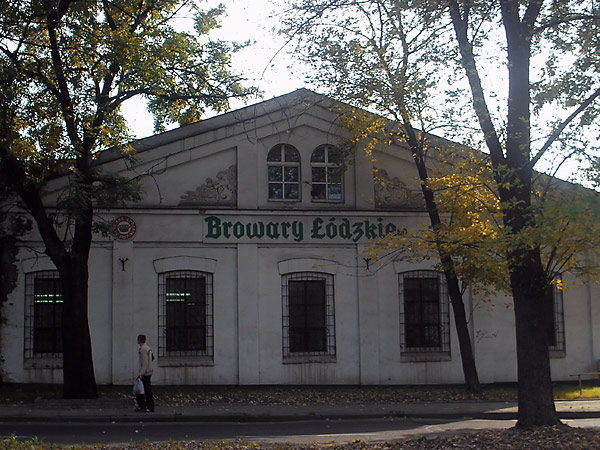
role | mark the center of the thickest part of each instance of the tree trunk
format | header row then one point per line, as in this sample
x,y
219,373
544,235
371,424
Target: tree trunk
x,y
460,321
73,265
462,330
532,314
527,277
78,367
513,173
536,400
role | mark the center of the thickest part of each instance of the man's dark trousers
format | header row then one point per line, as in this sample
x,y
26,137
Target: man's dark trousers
x,y
146,400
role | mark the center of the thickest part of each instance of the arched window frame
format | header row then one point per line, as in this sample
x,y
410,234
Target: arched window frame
x,y
283,174
327,174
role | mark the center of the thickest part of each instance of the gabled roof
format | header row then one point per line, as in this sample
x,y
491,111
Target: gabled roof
x,y
299,99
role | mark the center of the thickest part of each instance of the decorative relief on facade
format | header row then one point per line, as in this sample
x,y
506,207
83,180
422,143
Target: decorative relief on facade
x,y
219,192
393,193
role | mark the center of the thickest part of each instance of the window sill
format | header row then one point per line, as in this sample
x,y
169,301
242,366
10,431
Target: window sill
x,y
318,359
425,357
43,363
558,354
185,361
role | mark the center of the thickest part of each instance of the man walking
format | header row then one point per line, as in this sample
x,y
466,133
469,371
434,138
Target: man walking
x,y
145,401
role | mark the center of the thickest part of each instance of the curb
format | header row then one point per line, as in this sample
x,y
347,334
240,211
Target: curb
x,y
247,418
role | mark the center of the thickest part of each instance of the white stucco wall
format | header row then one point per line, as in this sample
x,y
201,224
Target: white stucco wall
x,y
247,272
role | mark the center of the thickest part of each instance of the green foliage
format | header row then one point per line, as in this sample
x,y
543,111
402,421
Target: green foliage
x,y
571,392
66,68
564,224
12,443
379,55
592,173
393,57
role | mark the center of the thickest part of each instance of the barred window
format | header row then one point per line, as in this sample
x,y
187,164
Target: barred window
x,y
43,315
283,166
185,314
327,174
308,314
556,330
424,315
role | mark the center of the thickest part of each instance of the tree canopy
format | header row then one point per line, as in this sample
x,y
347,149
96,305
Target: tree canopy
x,y
66,67
515,79
566,226
374,54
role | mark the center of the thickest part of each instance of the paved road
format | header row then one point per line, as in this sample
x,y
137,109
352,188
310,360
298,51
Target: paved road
x,y
294,432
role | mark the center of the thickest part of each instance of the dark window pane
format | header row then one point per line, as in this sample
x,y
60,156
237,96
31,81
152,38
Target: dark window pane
x,y
291,174
422,312
552,325
174,339
318,155
47,315
295,292
296,340
334,156
334,175
291,155
196,339
175,314
274,154
315,292
45,340
431,336
316,340
197,289
412,336
275,173
275,191
307,316
318,192
318,174
292,192
185,314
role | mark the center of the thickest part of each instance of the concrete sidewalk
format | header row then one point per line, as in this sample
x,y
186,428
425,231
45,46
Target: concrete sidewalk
x,y
123,411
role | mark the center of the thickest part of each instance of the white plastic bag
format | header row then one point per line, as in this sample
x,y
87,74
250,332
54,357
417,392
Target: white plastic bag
x,y
138,387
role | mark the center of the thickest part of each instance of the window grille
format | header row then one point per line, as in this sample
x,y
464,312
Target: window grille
x,y
327,174
283,167
556,331
424,314
43,315
185,314
308,314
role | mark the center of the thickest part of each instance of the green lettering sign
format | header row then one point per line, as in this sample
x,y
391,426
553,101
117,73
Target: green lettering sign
x,y
321,229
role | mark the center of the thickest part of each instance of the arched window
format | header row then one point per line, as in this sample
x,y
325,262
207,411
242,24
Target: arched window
x,y
283,166
327,174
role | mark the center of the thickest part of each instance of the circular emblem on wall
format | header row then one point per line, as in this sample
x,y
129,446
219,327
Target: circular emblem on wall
x,y
124,227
